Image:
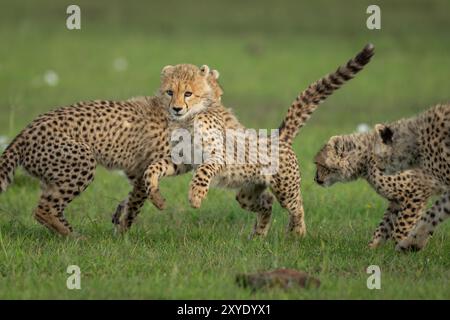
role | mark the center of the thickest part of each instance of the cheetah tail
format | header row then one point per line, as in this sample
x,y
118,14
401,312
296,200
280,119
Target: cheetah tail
x,y
9,161
308,101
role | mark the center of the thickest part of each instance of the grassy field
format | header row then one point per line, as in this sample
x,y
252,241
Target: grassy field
x,y
266,54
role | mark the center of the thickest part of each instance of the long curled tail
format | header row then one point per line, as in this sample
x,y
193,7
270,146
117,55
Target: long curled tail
x,y
9,161
308,101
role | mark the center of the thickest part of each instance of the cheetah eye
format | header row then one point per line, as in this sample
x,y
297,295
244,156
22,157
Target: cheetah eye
x,y
169,92
326,169
187,94
320,165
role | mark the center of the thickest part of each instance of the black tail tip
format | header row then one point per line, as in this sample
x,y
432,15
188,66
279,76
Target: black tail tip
x,y
366,54
368,50
369,47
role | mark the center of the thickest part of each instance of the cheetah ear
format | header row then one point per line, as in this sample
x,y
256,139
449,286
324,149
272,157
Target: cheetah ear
x,y
166,69
215,74
340,146
204,70
385,133
334,139
334,142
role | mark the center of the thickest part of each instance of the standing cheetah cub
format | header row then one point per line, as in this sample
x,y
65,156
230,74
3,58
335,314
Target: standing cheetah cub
x,y
349,157
422,142
211,120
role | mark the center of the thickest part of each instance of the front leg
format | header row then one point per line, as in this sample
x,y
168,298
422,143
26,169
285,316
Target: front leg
x,y
200,182
425,227
408,216
156,171
384,229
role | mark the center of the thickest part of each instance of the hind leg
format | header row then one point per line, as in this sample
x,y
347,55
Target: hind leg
x,y
285,185
49,211
53,201
296,215
291,200
257,200
426,225
128,209
63,177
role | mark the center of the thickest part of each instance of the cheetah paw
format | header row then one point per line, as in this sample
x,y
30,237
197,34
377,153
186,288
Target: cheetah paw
x,y
298,231
375,243
158,200
196,196
410,244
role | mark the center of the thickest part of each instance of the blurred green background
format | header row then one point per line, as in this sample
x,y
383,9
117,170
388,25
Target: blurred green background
x,y
266,52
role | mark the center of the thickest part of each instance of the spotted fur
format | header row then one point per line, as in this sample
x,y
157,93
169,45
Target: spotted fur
x,y
349,157
63,147
207,117
421,142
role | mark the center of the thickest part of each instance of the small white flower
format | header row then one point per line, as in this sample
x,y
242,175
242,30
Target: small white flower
x,y
120,64
51,78
363,127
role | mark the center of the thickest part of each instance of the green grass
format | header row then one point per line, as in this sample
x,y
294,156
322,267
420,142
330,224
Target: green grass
x,y
266,54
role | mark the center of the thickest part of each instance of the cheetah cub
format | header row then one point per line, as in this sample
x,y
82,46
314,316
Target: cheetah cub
x,y
349,157
211,120
422,142
63,147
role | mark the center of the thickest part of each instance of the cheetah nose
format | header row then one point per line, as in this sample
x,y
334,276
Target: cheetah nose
x,y
177,109
317,180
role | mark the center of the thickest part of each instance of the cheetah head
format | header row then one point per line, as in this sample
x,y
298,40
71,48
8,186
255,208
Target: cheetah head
x,y
336,161
187,89
395,148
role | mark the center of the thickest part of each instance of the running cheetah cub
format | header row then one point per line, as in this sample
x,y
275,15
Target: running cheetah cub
x,y
211,120
349,157
63,147
421,142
